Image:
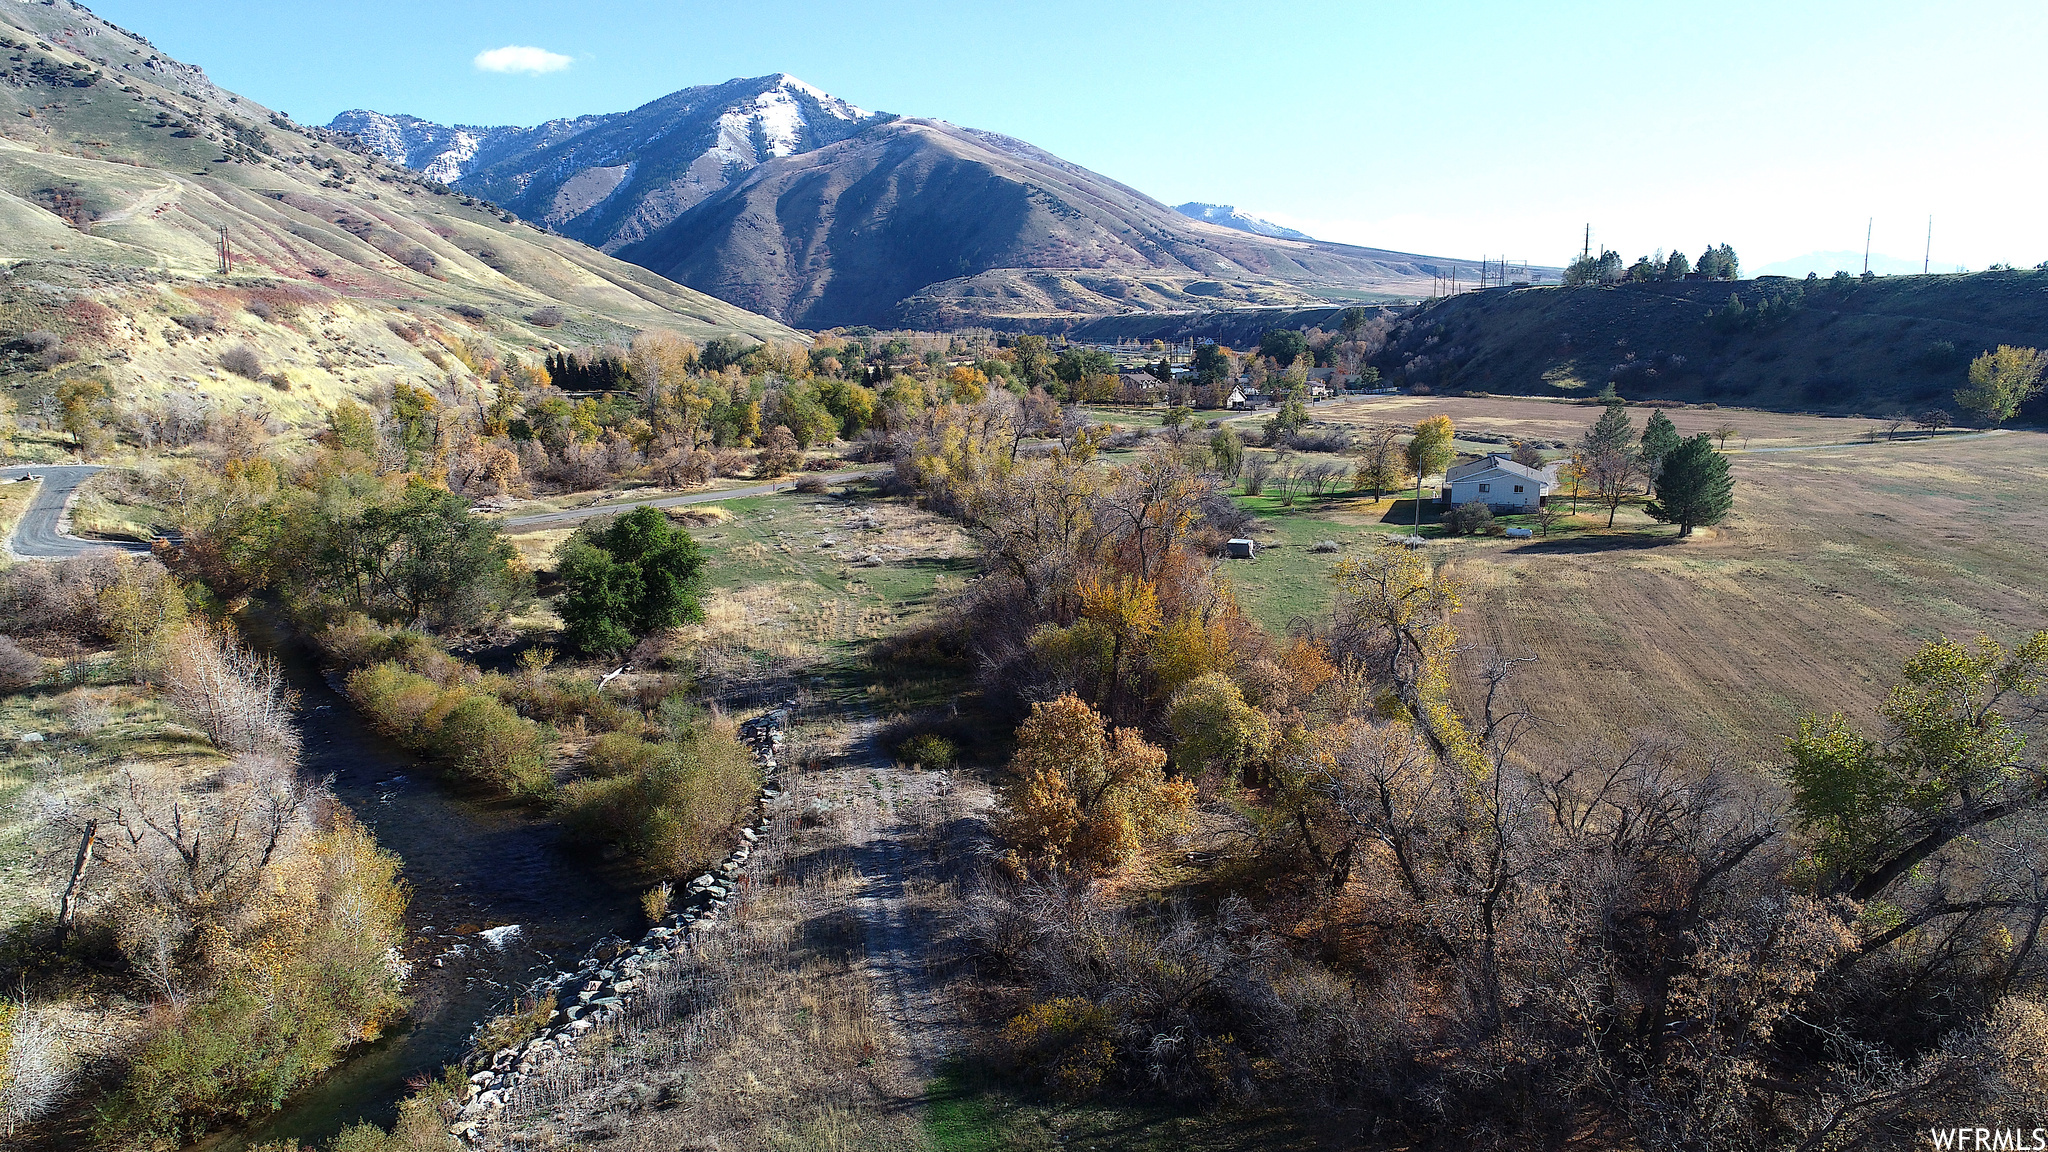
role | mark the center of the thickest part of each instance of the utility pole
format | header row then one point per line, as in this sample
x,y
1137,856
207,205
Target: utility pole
x,y
1588,253
1927,259
226,254
1866,244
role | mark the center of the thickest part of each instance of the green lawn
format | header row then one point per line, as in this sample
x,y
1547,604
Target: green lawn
x,y
969,1110
1289,579
790,574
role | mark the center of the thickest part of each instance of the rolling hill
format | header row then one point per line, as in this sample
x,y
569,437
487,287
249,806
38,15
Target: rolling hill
x,y
1852,346
122,168
774,196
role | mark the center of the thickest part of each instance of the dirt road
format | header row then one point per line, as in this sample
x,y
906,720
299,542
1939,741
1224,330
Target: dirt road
x,y
892,858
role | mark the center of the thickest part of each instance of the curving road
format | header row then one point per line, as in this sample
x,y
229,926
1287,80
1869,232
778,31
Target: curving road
x,y
551,519
45,529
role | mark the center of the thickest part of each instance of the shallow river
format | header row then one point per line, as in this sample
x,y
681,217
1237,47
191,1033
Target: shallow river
x,y
477,868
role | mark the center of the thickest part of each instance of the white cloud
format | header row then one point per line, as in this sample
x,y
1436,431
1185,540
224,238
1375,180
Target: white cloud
x,y
513,58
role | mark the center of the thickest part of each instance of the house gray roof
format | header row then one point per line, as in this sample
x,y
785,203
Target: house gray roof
x,y
1500,462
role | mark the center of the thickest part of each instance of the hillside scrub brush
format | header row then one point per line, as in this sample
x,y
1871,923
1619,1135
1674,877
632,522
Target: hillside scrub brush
x,y
243,361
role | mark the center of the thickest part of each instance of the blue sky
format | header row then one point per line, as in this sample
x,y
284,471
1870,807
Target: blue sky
x,y
1450,128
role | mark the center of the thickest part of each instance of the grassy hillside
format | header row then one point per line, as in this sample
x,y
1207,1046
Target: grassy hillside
x,y
1900,343
118,169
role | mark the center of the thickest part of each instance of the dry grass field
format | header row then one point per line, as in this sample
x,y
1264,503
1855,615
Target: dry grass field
x,y
1836,564
1842,556
1565,420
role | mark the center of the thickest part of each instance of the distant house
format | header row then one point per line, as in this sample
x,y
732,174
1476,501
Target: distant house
x,y
1237,399
1496,481
1318,390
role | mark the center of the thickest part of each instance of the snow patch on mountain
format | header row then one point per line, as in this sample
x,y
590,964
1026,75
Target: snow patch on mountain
x,y
1229,217
448,152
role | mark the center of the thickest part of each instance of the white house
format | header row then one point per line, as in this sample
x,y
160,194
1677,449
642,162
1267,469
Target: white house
x,y
1496,481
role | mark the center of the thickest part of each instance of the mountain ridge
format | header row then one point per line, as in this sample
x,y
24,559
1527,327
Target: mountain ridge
x,y
774,196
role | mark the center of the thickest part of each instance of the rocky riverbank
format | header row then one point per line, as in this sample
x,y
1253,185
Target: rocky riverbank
x,y
606,980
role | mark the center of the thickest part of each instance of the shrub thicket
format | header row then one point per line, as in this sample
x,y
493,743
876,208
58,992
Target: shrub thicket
x,y
324,984
670,804
459,723
1468,519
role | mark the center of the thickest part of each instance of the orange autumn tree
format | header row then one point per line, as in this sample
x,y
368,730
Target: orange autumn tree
x,y
1085,797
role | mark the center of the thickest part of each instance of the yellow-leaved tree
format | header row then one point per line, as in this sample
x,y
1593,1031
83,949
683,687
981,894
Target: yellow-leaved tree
x,y
1429,451
1128,610
1397,606
1085,797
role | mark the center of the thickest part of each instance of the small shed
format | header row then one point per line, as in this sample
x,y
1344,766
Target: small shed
x,y
1244,549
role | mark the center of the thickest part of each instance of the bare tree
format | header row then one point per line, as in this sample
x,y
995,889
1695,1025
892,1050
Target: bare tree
x,y
1614,476
235,695
1258,470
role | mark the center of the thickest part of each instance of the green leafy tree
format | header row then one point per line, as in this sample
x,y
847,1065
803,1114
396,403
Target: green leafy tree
x,y
1586,269
1676,267
1429,451
86,405
1694,487
1033,361
1213,727
1211,364
415,421
1284,345
1289,418
352,427
1077,364
2002,380
1950,760
422,558
1227,452
630,578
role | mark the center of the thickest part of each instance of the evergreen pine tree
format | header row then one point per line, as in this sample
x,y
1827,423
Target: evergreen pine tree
x,y
1613,432
1695,487
1660,439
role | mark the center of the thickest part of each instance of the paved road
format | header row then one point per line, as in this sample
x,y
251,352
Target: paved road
x,y
44,532
552,519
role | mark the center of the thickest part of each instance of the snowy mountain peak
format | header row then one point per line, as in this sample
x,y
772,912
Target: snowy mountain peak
x,y
831,105
1229,217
